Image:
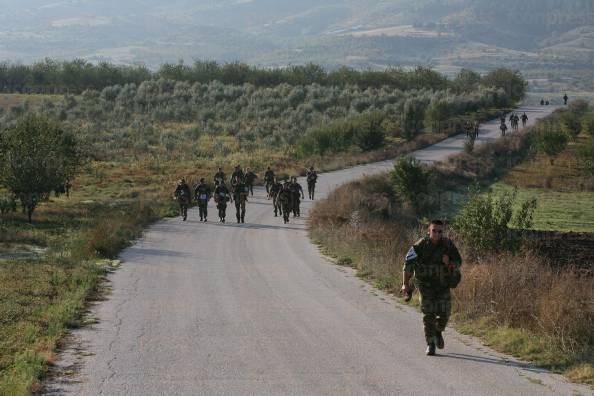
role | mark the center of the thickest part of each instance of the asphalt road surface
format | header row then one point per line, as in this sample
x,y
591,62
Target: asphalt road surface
x,y
254,309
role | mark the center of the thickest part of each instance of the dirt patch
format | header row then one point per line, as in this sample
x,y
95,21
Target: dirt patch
x,y
565,248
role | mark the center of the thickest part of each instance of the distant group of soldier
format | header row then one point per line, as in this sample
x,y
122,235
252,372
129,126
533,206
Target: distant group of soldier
x,y
472,129
286,196
514,120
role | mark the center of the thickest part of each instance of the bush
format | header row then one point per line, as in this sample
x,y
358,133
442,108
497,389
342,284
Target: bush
x,y
411,182
369,133
570,123
484,222
551,141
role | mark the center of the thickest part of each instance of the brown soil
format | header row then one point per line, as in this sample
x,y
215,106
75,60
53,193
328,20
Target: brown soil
x,y
565,248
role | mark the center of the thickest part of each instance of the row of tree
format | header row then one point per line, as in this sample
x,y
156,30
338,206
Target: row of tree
x,y
130,117
76,76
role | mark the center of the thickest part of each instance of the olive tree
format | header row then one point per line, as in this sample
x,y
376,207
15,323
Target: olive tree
x,y
37,156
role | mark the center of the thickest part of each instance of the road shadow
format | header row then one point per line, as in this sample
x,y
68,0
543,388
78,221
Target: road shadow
x,y
143,251
254,226
497,361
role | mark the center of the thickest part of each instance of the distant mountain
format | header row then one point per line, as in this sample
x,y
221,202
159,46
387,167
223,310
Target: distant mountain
x,y
447,34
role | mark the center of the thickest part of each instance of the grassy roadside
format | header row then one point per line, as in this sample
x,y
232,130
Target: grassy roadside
x,y
529,315
49,270
543,313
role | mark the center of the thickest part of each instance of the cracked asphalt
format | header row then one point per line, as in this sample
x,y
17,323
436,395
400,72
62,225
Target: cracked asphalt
x,y
254,309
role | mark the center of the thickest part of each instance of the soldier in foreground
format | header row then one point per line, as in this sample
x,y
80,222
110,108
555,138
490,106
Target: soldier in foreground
x,y
221,197
296,195
183,196
202,193
435,262
312,178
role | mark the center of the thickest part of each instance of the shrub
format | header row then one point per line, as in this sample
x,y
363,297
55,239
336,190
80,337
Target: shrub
x,y
411,182
484,222
369,133
570,123
551,141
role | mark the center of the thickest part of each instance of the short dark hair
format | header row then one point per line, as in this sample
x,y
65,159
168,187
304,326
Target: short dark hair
x,y
436,222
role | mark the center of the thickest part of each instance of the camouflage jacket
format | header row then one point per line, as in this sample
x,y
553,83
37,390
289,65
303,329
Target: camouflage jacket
x,y
425,260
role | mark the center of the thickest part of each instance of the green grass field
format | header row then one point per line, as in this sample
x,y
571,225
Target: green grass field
x,y
556,210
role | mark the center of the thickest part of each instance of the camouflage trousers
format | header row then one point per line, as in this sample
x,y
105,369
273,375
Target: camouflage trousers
x,y
286,208
436,305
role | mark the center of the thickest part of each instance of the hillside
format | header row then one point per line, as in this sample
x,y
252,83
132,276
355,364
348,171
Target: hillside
x,y
543,39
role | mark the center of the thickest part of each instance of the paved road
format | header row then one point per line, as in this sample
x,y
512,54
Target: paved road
x,y
254,309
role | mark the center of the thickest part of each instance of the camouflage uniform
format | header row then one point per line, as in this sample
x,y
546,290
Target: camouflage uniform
x,y
183,195
424,260
221,196
312,178
284,197
296,195
275,189
269,180
240,194
202,194
250,178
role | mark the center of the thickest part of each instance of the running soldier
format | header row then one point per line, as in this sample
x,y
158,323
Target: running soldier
x,y
275,189
297,195
183,196
202,194
240,196
221,197
284,198
250,178
565,99
312,178
435,262
268,180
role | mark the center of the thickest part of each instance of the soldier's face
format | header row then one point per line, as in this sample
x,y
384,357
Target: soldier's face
x,y
435,232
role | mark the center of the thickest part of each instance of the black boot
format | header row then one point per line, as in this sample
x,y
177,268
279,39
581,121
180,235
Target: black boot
x,y
430,349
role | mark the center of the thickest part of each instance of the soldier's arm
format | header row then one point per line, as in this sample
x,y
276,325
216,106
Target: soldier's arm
x,y
409,268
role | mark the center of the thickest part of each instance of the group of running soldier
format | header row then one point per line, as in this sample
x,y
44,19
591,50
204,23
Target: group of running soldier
x,y
514,121
286,196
